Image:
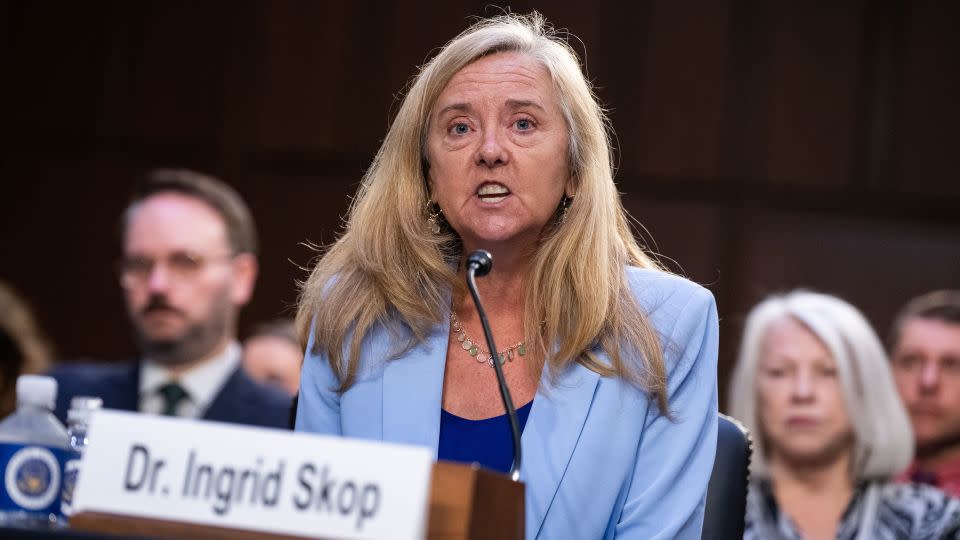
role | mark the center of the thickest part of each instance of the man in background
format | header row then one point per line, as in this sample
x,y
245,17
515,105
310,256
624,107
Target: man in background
x,y
272,355
925,351
188,265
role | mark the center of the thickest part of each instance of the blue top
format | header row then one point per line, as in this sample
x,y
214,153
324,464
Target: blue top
x,y
487,442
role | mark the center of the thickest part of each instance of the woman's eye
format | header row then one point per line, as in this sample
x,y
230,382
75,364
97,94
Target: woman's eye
x,y
827,371
524,124
460,128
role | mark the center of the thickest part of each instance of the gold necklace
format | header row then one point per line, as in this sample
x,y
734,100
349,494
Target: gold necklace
x,y
480,354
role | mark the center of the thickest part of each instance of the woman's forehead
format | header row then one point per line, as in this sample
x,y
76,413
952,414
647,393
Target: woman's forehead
x,y
787,336
507,77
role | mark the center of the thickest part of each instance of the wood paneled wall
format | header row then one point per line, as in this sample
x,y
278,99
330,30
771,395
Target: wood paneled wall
x,y
765,146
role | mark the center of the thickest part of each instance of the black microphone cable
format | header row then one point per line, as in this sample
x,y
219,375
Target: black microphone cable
x,y
479,263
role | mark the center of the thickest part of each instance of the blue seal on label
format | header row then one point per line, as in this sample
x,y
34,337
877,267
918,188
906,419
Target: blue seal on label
x,y
32,478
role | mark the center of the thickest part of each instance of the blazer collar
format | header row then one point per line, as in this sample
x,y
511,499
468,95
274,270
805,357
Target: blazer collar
x,y
412,397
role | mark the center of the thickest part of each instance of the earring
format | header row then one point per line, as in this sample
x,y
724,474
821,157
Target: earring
x,y
565,203
433,216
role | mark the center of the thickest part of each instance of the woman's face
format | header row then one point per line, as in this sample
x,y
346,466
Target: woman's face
x,y
800,402
497,149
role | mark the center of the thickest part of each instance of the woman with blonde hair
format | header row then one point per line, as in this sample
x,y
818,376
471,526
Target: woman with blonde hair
x,y
23,349
813,385
501,144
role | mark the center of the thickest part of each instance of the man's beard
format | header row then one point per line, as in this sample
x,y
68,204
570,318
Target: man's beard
x,y
198,340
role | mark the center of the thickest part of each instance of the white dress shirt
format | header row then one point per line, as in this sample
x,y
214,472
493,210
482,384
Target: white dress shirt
x,y
202,383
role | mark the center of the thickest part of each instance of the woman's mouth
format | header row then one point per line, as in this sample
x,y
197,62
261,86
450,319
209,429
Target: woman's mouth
x,y
492,192
802,422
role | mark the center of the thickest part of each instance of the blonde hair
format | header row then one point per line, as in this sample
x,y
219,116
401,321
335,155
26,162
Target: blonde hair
x,y
884,438
388,267
24,349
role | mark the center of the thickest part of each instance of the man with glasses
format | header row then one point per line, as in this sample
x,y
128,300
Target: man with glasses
x,y
925,352
188,265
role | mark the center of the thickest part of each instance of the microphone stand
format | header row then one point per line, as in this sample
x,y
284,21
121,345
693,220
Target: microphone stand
x,y
480,263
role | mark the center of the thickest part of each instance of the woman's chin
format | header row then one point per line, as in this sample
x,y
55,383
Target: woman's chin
x,y
501,235
494,238
811,451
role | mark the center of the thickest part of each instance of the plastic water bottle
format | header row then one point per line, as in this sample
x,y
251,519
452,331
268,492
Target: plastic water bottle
x,y
33,450
78,420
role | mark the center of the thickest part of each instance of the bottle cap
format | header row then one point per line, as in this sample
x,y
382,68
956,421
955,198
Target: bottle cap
x,y
86,402
81,407
37,390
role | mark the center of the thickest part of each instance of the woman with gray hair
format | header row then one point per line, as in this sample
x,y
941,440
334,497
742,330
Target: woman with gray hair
x,y
501,144
813,385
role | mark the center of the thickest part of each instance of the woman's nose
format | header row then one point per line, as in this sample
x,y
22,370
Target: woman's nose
x,y
802,387
492,152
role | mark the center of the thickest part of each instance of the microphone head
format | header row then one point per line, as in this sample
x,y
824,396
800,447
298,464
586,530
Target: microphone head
x,y
481,261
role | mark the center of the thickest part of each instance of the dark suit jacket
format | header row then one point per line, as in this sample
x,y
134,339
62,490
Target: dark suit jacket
x,y
241,400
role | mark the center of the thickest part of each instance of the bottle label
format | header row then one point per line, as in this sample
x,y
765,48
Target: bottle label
x,y
32,477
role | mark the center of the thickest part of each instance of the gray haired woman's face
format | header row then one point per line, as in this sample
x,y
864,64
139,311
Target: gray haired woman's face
x,y
800,400
497,148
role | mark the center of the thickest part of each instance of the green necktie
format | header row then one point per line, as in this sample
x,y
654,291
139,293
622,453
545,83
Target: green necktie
x,y
172,394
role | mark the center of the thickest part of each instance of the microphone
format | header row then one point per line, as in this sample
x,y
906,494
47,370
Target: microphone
x,y
479,263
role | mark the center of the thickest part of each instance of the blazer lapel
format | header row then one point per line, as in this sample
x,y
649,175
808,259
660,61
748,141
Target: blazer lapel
x,y
412,391
123,389
231,401
551,434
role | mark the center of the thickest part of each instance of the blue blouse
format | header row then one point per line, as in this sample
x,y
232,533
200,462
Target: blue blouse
x,y
486,441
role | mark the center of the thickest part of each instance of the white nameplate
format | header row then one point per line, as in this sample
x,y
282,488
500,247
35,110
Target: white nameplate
x,y
264,480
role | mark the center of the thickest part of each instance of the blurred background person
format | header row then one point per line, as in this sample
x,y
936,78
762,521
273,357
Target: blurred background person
x,y
272,355
925,354
188,265
501,144
23,349
813,384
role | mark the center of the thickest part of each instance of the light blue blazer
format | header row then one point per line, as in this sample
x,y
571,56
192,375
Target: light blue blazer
x,y
599,459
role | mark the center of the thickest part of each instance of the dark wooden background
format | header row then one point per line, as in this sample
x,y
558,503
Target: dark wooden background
x,y
765,145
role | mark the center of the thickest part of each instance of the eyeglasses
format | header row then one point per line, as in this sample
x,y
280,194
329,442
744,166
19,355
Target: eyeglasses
x,y
181,266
